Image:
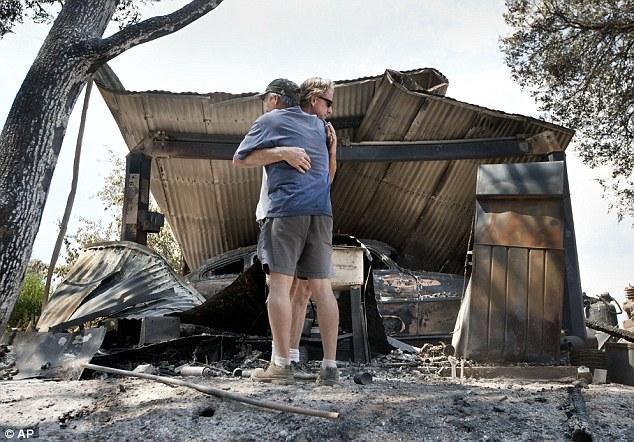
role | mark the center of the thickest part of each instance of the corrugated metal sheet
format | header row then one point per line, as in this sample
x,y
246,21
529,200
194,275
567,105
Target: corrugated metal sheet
x,y
424,209
119,279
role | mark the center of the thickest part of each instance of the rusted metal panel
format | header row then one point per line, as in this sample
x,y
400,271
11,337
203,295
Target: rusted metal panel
x,y
516,299
436,295
128,108
437,317
439,285
535,304
515,305
402,283
400,316
515,333
477,337
382,183
535,223
418,304
497,303
553,302
545,142
391,284
349,207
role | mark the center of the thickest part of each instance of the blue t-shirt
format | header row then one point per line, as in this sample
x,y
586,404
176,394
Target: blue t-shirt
x,y
292,193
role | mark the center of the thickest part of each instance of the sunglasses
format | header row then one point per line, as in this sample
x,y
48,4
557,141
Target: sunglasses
x,y
328,102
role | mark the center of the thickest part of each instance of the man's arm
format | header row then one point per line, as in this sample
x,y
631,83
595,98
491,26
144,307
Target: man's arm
x,y
331,136
255,149
295,156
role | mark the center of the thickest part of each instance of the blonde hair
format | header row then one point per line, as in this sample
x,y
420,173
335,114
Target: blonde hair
x,y
314,86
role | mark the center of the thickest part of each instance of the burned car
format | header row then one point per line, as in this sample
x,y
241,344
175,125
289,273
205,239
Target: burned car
x,y
220,271
415,306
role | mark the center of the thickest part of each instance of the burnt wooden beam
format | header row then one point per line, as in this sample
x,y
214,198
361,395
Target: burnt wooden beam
x,y
215,147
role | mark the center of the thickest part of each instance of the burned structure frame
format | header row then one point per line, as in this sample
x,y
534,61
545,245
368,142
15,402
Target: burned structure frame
x,y
138,221
409,160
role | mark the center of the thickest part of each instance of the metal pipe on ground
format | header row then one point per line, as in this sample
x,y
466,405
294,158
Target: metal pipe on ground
x,y
243,373
195,371
218,393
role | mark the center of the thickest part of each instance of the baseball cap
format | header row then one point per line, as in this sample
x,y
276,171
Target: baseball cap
x,y
284,87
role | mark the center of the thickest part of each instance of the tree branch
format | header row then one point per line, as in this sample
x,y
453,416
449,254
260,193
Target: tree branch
x,y
152,29
609,25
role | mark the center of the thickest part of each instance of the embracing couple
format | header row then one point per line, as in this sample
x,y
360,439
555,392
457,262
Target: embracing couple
x,y
298,150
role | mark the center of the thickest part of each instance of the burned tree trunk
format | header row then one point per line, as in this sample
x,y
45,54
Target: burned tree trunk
x,y
33,133
32,137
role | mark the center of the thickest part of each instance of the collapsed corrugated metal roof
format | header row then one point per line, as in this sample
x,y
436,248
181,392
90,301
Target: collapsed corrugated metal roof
x,y
120,280
424,209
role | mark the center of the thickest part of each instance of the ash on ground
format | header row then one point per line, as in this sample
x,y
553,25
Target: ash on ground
x,y
406,400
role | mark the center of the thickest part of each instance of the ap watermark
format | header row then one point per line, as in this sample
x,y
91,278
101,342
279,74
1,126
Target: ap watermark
x,y
19,433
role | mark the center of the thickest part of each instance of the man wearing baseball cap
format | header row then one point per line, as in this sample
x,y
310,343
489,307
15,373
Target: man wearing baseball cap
x,y
282,87
296,236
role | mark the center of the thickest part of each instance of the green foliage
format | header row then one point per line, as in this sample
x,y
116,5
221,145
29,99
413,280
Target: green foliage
x,y
108,226
577,59
29,304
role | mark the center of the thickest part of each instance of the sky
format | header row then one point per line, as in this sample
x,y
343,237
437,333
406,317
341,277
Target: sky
x,y
243,44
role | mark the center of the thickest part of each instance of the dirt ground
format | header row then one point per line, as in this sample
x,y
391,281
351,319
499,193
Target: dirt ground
x,y
398,405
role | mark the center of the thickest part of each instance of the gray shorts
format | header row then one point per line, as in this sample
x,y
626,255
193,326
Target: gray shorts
x,y
297,246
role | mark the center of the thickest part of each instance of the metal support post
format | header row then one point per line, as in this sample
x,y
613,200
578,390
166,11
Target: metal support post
x,y
136,198
573,320
360,348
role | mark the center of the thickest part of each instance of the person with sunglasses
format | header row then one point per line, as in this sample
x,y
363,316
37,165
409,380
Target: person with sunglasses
x,y
296,237
316,97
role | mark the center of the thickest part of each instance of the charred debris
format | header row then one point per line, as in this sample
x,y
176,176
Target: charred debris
x,y
122,306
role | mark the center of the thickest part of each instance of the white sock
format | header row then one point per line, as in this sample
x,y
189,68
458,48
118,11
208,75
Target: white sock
x,y
280,361
272,350
328,363
293,354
